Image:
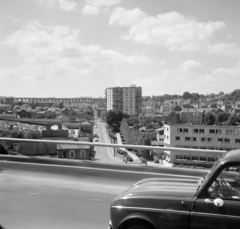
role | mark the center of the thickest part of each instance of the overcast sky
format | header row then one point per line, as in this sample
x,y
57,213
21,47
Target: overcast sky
x,y
75,48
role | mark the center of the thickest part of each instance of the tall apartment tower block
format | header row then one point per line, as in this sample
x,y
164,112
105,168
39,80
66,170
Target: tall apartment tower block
x,y
125,99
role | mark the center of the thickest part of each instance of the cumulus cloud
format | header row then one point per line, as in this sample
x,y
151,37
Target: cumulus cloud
x,y
230,49
173,30
189,65
93,7
67,5
176,81
90,10
228,71
53,52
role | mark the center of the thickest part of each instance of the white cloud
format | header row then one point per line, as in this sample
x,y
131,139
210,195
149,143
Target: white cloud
x,y
90,10
178,81
189,65
228,71
125,17
67,5
225,48
54,53
93,7
173,30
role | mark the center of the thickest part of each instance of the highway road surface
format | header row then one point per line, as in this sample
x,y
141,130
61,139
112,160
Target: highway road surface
x,y
34,196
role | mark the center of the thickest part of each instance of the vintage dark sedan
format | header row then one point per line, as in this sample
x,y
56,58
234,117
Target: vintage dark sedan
x,y
212,202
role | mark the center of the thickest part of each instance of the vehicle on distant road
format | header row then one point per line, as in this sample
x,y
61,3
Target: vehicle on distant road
x,y
157,203
127,158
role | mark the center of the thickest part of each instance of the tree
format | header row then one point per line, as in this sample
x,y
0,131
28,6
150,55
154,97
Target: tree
x,y
25,106
3,150
56,105
132,121
39,108
187,95
214,105
210,119
195,96
221,117
51,115
177,108
16,107
114,118
32,134
88,110
233,120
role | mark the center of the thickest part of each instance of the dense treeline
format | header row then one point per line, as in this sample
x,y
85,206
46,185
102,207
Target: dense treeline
x,y
233,96
219,117
114,118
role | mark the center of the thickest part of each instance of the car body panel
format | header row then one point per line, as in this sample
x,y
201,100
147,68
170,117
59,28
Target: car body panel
x,y
148,199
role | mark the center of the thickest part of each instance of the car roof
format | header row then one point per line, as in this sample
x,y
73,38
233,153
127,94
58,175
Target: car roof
x,y
232,156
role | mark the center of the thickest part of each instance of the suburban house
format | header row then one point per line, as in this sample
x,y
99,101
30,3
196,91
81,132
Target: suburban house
x,y
5,107
86,127
24,113
64,118
166,108
192,116
38,114
80,152
41,149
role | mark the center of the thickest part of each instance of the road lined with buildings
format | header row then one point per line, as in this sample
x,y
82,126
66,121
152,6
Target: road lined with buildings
x,y
104,154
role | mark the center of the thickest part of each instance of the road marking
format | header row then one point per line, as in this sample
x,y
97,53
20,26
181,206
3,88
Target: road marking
x,y
101,169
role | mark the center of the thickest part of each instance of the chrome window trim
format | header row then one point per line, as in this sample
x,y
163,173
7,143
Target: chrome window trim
x,y
152,209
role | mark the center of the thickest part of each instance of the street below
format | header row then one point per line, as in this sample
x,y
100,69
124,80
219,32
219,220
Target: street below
x,y
104,154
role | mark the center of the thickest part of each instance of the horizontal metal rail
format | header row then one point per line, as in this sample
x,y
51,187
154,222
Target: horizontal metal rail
x,y
172,149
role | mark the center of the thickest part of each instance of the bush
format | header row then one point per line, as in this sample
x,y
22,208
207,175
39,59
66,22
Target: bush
x,y
194,164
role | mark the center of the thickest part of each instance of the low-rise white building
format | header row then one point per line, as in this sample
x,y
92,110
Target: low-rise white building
x,y
166,108
200,137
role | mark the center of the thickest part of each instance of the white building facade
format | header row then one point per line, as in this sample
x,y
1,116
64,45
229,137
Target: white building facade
x,y
109,98
200,137
166,108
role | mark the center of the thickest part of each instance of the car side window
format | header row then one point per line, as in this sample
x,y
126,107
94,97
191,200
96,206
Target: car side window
x,y
227,184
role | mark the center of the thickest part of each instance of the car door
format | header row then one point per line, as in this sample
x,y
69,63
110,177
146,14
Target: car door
x,y
218,206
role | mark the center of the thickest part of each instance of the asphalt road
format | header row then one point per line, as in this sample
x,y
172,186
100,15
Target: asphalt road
x,y
36,196
103,154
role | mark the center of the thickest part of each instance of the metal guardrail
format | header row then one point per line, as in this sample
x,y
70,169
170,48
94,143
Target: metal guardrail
x,y
113,145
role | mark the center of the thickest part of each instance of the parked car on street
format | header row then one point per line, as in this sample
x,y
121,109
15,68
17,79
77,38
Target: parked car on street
x,y
212,202
127,158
